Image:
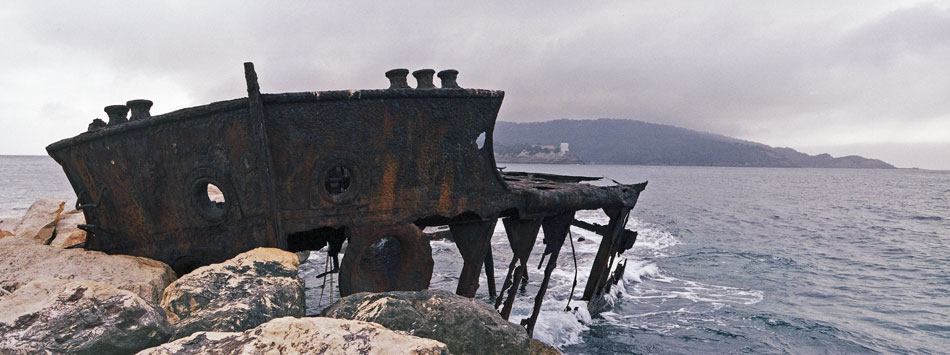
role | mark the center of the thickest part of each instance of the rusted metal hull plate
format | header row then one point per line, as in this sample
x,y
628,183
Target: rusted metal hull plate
x,y
315,169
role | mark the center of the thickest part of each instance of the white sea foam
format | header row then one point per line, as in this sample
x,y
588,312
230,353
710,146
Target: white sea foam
x,y
697,292
636,271
642,280
560,328
651,238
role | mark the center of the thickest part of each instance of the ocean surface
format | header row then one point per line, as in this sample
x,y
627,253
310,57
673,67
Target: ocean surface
x,y
729,260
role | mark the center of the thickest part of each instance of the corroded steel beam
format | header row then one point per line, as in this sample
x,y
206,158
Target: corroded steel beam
x,y
473,240
556,229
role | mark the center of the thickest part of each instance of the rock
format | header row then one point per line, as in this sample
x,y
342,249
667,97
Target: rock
x,y
538,347
215,194
78,317
7,226
23,260
241,293
67,234
467,326
303,256
40,219
303,336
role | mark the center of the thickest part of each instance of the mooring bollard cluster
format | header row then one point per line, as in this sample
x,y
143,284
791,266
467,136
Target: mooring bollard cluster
x,y
398,78
119,114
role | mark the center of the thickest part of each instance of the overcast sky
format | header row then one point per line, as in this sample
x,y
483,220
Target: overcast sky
x,y
856,77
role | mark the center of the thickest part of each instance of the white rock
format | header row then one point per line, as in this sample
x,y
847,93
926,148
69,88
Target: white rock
x,y
22,261
303,336
7,226
67,234
78,317
40,219
215,194
241,293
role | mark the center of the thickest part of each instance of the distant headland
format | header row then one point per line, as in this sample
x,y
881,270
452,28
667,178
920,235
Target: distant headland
x,y
631,142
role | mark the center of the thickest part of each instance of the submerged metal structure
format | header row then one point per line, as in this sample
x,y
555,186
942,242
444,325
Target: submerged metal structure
x,y
307,170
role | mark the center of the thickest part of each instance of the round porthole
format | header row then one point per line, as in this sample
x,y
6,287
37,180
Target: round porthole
x,y
336,180
209,199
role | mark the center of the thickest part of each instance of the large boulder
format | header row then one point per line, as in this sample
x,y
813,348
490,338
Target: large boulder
x,y
7,226
303,336
466,325
78,317
241,293
540,348
40,219
22,260
68,235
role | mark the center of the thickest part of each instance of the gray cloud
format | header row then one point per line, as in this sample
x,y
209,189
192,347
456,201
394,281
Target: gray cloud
x,y
787,74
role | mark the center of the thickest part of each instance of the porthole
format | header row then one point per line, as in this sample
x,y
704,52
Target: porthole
x,y
337,180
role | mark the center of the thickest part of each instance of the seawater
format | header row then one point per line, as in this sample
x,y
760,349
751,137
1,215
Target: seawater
x,y
25,179
728,260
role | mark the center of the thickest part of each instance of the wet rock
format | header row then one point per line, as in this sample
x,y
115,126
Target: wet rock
x,y
67,234
22,261
303,336
40,219
241,293
467,326
78,317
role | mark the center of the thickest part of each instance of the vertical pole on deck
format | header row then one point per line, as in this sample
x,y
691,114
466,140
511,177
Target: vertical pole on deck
x,y
256,112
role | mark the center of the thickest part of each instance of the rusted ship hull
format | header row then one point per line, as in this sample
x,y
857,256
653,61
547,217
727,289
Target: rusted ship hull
x,y
308,170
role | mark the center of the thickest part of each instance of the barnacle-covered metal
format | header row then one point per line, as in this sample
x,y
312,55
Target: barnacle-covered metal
x,y
301,171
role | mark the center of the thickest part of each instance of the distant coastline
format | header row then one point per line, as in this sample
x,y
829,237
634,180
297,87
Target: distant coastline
x,y
631,142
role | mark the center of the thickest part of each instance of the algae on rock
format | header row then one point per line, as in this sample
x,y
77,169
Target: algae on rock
x,y
465,325
238,294
79,317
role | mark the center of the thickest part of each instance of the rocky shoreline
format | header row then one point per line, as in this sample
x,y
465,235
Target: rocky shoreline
x,y
56,297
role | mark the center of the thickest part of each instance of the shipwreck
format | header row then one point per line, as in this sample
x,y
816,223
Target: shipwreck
x,y
314,170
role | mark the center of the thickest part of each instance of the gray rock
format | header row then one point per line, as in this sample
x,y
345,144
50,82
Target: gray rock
x,y
78,317
22,261
40,219
467,326
540,348
241,293
302,256
303,336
